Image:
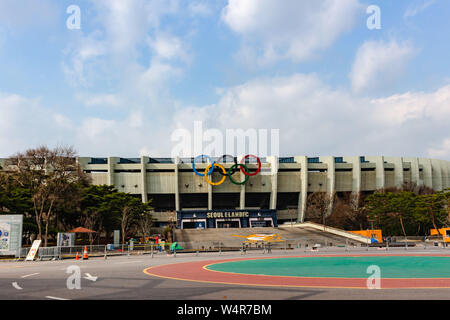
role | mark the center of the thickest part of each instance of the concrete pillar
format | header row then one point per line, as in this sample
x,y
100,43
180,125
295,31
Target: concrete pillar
x,y
81,162
111,164
445,177
242,191
380,181
331,177
331,170
210,195
427,172
302,197
437,174
210,199
356,173
398,170
144,161
176,182
273,160
415,176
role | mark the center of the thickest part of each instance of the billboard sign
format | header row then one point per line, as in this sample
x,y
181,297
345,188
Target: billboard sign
x,y
34,250
10,234
66,240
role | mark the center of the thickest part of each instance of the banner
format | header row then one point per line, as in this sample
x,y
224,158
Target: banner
x,y
66,240
5,231
34,250
10,234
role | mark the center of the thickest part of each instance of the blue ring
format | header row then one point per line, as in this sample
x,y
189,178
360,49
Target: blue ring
x,y
210,170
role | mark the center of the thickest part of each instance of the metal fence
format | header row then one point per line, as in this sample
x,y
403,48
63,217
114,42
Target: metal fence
x,y
301,245
58,253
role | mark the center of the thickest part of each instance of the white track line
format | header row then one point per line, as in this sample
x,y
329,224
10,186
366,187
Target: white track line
x,y
15,285
55,298
29,275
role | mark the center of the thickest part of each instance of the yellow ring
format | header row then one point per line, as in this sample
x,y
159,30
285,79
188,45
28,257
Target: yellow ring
x,y
215,183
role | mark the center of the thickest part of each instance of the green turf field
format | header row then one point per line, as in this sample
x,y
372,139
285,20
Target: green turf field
x,y
342,267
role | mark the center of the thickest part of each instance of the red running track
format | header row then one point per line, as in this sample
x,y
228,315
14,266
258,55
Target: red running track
x,y
196,271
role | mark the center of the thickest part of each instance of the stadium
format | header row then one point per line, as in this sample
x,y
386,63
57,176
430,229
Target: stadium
x,y
275,193
241,223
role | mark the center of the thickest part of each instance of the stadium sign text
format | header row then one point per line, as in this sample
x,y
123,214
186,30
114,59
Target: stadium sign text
x,y
227,214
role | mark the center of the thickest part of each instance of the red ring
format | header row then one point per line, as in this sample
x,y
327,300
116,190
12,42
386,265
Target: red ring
x,y
259,165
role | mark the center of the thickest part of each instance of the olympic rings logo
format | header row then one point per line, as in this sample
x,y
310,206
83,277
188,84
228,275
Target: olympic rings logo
x,y
233,169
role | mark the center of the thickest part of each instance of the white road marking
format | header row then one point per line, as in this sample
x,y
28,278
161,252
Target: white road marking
x,y
29,275
89,277
15,285
55,298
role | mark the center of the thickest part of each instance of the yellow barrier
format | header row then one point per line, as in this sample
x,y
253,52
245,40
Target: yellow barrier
x,y
370,234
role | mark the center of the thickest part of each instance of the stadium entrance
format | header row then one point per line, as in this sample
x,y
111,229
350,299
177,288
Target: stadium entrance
x,y
201,219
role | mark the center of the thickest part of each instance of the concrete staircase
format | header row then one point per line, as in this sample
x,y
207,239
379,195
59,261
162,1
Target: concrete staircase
x,y
223,238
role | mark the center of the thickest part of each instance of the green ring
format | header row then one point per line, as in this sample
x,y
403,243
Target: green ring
x,y
231,169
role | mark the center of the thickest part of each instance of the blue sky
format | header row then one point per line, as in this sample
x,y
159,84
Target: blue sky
x,y
137,70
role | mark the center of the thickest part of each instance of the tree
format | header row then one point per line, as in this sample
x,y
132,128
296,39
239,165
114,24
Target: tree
x,y
402,206
127,209
94,207
319,205
49,175
144,220
349,212
431,207
446,194
392,206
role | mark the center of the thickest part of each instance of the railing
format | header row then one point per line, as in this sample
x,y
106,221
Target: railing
x,y
335,231
98,161
286,160
293,246
129,160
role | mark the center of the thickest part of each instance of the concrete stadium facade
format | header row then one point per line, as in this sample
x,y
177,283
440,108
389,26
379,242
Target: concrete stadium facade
x,y
283,185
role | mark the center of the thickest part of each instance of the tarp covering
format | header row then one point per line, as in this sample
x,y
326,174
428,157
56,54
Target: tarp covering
x,y
81,230
176,246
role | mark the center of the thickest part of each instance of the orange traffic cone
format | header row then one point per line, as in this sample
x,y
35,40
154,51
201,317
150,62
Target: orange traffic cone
x,y
85,254
77,257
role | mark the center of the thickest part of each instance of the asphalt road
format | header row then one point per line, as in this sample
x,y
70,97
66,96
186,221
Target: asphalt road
x,y
123,278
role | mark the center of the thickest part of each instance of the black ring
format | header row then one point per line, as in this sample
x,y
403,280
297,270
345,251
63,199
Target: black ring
x,y
222,158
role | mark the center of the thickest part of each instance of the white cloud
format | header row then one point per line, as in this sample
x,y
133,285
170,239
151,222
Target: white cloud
x,y
168,47
379,64
127,21
200,8
28,14
24,123
399,108
315,119
81,67
442,151
62,121
94,127
295,30
136,119
413,10
111,56
93,100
